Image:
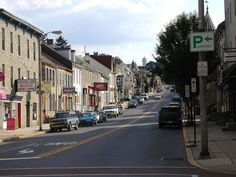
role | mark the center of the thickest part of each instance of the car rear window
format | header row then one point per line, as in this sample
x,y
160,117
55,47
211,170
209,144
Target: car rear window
x,y
62,115
169,110
109,107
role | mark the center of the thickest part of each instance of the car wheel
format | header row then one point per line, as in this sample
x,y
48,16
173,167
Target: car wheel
x,y
76,125
52,129
69,127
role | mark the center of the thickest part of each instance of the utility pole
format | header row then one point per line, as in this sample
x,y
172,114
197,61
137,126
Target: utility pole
x,y
203,106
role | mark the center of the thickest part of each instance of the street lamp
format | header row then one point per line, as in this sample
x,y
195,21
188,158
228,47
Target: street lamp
x,y
42,40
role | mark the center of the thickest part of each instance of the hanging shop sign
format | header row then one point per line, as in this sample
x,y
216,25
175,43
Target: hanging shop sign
x,y
100,86
68,90
26,85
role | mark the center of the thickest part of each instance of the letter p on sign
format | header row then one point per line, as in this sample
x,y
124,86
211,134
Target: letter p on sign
x,y
197,40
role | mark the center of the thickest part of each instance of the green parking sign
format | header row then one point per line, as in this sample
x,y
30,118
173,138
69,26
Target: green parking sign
x,y
202,41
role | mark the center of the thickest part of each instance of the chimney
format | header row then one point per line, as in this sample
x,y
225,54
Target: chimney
x,y
73,55
95,53
49,41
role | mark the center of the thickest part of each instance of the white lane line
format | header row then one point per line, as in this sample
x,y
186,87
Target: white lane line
x,y
19,158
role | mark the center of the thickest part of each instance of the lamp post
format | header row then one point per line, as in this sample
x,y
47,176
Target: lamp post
x,y
42,40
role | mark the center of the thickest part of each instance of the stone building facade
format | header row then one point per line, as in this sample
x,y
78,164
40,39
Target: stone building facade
x,y
19,61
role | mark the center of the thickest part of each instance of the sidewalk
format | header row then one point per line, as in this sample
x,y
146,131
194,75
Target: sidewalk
x,y
221,145
9,135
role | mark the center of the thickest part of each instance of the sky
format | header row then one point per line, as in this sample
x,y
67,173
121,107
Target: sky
x,y
124,28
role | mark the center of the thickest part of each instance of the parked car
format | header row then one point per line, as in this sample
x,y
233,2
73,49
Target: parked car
x,y
145,96
170,115
88,118
140,99
158,96
96,114
176,98
133,103
64,120
120,108
103,116
111,110
174,103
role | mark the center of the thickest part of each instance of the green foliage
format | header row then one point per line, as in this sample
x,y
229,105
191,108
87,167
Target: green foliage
x,y
176,63
61,42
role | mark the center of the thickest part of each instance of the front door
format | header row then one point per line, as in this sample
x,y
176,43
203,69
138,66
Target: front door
x,y
19,114
28,114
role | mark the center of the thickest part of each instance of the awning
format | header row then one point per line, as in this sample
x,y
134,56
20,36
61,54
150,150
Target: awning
x,y
3,95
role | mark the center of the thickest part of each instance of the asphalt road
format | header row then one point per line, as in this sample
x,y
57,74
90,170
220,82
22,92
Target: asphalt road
x,y
131,145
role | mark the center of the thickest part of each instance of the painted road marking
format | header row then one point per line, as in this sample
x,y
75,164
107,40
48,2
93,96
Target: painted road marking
x,y
26,151
76,144
59,143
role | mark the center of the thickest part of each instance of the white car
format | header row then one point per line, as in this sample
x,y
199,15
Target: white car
x,y
145,96
158,96
111,110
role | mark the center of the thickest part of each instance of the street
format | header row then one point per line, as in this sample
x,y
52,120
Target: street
x,y
131,145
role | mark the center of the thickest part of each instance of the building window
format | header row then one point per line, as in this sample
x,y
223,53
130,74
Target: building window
x,y
3,70
53,77
34,75
11,42
28,50
18,73
34,111
18,42
3,39
34,50
12,83
28,74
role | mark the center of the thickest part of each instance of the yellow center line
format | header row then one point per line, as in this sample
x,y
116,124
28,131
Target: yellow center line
x,y
70,146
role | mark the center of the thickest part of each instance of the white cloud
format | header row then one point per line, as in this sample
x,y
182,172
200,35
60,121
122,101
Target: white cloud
x,y
125,28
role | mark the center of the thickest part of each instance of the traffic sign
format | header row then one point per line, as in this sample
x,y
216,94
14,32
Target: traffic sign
x,y
229,56
202,41
193,85
202,68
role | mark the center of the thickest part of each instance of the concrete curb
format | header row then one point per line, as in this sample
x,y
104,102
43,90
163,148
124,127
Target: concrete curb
x,y
189,152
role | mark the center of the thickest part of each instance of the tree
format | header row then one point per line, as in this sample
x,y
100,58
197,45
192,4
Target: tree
x,y
61,42
172,52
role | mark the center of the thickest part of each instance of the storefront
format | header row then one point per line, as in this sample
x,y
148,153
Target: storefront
x,y
11,108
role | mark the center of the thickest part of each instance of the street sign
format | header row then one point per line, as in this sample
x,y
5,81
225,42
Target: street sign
x,y
193,85
202,68
229,56
187,93
202,41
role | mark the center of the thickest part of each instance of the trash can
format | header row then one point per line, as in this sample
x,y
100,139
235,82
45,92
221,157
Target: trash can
x,y
10,123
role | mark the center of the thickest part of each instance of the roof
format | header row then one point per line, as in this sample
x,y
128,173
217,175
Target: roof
x,y
52,55
106,60
209,25
15,20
